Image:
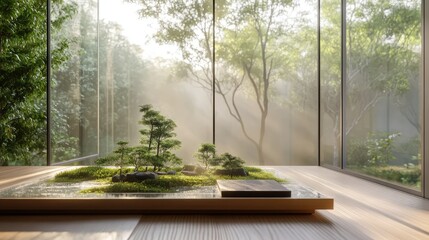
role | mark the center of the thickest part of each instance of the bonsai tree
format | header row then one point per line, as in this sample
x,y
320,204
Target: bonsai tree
x,y
119,158
139,156
206,155
172,160
158,137
230,162
169,159
122,151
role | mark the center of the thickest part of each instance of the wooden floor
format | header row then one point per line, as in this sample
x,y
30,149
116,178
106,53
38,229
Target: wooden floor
x,y
363,210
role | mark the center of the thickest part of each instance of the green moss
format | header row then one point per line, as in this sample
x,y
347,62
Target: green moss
x,y
87,174
126,188
255,173
164,183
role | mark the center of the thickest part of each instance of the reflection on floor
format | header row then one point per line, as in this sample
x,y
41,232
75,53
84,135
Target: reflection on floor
x,y
363,210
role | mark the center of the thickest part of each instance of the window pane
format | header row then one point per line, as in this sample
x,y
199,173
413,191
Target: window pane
x,y
383,90
74,76
330,82
23,83
144,62
266,83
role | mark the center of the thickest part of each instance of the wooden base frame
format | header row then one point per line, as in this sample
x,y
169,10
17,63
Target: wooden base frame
x,y
163,205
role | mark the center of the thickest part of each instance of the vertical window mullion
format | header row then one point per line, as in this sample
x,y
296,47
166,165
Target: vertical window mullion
x,y
48,85
343,83
425,129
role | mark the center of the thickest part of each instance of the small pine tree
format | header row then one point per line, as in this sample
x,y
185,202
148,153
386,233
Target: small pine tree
x,y
119,158
230,162
158,137
206,155
139,157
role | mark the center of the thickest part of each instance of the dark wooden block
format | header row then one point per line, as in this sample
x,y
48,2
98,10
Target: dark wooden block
x,y
252,188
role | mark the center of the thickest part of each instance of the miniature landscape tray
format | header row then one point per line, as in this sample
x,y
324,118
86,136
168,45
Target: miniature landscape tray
x,y
44,196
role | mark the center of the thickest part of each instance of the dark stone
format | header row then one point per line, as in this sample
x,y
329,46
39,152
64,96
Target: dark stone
x,y
161,173
231,172
116,178
131,177
141,176
196,170
171,172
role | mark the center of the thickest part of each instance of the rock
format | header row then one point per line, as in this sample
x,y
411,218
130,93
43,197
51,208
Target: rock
x,y
118,178
131,177
189,168
141,176
171,172
161,173
193,170
231,172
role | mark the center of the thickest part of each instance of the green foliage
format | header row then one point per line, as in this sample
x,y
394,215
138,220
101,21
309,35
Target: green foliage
x,y
230,162
119,158
122,151
409,177
158,138
74,83
376,150
206,155
357,153
139,157
23,78
380,149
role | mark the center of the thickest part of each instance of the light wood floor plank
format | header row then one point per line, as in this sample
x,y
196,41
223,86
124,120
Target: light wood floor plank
x,y
10,176
67,227
239,227
363,210
378,211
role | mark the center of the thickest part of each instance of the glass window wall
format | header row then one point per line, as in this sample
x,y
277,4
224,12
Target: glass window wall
x,y
74,102
383,90
163,77
266,81
330,83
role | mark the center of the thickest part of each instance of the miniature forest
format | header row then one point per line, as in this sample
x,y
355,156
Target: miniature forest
x,y
153,167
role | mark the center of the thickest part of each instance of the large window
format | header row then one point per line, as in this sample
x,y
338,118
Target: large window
x,y
246,75
145,58
330,83
266,81
383,90
74,81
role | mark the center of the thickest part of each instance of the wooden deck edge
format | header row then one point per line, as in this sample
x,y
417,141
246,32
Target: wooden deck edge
x,y
163,205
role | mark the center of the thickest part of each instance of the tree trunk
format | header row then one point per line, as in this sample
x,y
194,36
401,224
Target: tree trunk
x,y
262,138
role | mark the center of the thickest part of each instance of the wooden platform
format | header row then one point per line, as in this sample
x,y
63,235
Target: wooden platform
x,y
363,210
262,196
